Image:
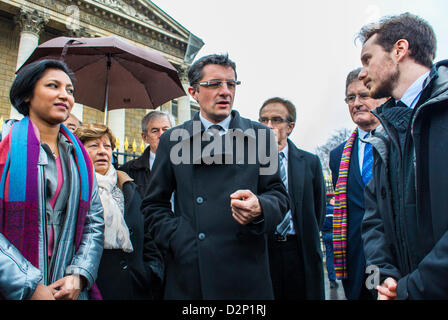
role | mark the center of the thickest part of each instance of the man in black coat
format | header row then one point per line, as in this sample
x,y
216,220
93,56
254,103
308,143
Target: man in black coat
x,y
154,123
359,106
227,200
405,227
294,247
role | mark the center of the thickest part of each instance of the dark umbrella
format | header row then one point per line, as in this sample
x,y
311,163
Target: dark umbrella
x,y
113,74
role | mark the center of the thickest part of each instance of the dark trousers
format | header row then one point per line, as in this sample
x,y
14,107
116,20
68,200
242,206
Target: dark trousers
x,y
329,256
287,269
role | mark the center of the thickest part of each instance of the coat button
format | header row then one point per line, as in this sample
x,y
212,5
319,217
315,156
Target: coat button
x,y
201,236
123,264
199,200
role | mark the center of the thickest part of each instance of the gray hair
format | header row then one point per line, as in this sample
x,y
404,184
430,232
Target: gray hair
x,y
352,77
155,114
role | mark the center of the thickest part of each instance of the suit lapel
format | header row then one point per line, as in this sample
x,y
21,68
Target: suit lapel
x,y
355,170
296,179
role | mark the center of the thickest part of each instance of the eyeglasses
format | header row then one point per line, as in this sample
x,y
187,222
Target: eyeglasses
x,y
350,99
275,120
215,84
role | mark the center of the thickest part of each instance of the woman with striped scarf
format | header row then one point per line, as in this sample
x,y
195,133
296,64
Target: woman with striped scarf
x,y
51,218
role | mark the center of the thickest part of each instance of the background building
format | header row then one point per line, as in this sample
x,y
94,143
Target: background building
x,y
26,24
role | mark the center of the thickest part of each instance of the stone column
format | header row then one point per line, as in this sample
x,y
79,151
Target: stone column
x,y
31,23
116,121
183,103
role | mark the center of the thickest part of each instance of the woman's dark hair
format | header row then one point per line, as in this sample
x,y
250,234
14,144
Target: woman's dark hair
x,y
22,88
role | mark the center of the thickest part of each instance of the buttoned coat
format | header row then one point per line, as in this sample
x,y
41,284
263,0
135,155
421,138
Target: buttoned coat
x,y
208,254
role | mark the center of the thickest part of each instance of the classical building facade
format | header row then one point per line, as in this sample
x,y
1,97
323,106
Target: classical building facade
x,y
26,24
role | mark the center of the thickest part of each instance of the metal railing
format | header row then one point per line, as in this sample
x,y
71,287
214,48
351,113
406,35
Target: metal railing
x,y
121,158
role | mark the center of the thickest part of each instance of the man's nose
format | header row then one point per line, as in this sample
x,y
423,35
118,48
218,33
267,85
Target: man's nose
x,y
269,124
362,74
224,89
358,102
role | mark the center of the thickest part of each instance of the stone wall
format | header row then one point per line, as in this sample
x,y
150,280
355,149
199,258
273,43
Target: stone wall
x,y
8,59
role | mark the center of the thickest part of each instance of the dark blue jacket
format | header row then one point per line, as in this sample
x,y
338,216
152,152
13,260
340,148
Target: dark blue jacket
x,y
355,208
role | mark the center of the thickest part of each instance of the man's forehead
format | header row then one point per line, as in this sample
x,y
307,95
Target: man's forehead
x,y
211,70
356,86
274,107
159,122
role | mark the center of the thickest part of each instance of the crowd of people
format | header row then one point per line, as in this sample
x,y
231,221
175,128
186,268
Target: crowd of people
x,y
200,215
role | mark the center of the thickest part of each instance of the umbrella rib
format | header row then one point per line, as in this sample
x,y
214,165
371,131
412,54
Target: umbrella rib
x,y
143,84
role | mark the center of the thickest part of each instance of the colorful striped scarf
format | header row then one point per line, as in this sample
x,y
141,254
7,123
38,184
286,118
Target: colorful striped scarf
x,y
19,199
340,211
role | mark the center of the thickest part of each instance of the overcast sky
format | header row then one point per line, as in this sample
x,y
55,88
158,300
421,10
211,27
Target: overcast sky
x,y
298,50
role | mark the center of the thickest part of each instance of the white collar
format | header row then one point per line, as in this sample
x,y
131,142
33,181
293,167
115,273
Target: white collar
x,y
410,97
224,123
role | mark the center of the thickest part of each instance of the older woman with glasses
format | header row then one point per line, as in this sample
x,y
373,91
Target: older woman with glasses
x,y
51,218
131,266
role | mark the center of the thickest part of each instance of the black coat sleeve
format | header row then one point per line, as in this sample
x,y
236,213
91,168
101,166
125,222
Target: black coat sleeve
x,y
160,221
334,162
272,194
428,281
319,192
376,248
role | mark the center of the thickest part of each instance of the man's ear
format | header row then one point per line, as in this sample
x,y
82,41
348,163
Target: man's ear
x,y
291,126
193,93
401,49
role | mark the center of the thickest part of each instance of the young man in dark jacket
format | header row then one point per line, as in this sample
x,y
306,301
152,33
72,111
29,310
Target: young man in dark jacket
x,y
405,227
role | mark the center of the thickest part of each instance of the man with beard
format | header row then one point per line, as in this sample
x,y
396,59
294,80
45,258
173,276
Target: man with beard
x,y
405,227
351,168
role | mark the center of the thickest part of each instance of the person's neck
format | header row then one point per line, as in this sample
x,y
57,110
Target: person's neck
x,y
212,120
282,144
48,133
368,128
410,71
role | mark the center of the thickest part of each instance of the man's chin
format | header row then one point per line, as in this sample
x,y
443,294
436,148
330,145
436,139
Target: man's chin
x,y
221,115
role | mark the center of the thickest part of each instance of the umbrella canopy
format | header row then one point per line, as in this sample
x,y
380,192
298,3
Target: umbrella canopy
x,y
113,74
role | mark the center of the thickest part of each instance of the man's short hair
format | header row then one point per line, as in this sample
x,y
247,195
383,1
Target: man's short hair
x,y
155,114
195,73
418,32
288,105
352,77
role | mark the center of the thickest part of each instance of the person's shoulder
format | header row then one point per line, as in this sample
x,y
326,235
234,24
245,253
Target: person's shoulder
x,y
339,148
127,165
303,153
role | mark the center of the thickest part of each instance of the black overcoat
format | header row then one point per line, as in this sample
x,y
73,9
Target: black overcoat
x,y
138,274
209,255
307,201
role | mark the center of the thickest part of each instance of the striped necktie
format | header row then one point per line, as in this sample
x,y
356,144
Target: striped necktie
x,y
285,225
367,163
